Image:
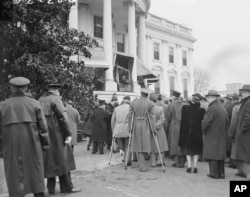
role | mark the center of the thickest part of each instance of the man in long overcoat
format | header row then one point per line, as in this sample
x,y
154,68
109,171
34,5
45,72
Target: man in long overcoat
x,y
59,160
174,121
25,136
99,119
243,131
142,112
214,127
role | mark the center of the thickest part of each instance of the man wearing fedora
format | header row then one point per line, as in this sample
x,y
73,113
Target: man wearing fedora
x,y
141,109
214,127
25,137
59,159
243,131
174,121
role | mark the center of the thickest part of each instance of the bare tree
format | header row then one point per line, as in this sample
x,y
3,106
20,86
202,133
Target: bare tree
x,y
201,80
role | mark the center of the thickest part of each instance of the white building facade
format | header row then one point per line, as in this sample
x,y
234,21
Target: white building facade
x,y
136,48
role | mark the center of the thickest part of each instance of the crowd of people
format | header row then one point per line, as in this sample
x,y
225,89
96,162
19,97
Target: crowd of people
x,y
39,135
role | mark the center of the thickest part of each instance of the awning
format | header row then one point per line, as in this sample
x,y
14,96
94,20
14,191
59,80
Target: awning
x,y
97,60
152,80
143,71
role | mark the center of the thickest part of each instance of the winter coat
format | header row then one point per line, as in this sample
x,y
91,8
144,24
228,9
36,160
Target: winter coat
x,y
74,118
140,110
160,132
120,121
59,159
174,121
165,123
214,127
99,127
233,128
25,134
243,132
191,135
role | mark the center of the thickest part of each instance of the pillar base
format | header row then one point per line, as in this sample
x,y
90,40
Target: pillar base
x,y
137,88
110,85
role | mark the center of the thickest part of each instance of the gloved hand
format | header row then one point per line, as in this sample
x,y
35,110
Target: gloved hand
x,y
68,140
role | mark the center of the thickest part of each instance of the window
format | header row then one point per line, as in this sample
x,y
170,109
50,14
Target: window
x,y
184,58
98,27
120,42
156,51
171,54
185,88
172,84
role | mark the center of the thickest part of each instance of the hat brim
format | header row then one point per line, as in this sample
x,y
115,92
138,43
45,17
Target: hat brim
x,y
244,90
216,95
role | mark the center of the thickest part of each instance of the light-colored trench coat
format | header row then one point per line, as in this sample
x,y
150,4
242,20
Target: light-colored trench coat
x,y
120,121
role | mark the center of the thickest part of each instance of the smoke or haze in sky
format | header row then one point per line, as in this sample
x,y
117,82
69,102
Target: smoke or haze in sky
x,y
222,30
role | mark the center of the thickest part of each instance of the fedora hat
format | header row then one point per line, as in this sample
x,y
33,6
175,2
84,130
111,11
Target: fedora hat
x,y
197,97
212,93
245,87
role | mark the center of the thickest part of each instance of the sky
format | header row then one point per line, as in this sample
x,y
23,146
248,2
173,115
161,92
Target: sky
x,y
222,30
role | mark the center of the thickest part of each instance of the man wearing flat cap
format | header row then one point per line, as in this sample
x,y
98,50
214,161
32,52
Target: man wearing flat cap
x,y
174,121
59,160
120,125
141,109
25,137
214,128
243,131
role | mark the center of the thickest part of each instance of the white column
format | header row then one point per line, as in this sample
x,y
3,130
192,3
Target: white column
x,y
132,43
149,51
142,38
74,16
165,51
179,68
191,71
110,85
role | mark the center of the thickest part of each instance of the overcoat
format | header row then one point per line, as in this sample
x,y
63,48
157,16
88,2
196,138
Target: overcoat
x,y
120,121
174,120
25,134
74,118
214,128
233,128
99,127
142,108
165,123
59,159
243,132
160,132
191,135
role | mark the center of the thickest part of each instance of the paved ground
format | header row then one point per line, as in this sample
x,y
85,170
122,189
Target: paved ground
x,y
96,178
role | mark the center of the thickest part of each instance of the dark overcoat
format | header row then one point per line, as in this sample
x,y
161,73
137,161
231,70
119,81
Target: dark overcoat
x,y
25,134
191,135
214,127
59,159
99,119
142,108
243,132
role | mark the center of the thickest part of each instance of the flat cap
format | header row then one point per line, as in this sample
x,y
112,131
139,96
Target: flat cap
x,y
19,81
176,93
153,97
54,85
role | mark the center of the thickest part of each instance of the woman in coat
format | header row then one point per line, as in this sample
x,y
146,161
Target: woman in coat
x,y
99,127
190,140
160,132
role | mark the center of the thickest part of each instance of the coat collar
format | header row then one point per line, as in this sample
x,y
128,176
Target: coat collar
x,y
213,102
18,94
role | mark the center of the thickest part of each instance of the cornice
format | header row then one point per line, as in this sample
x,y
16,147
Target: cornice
x,y
165,30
